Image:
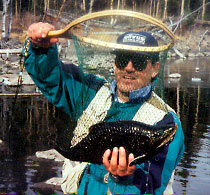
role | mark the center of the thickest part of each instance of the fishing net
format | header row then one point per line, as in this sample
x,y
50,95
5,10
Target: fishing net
x,y
97,42
122,47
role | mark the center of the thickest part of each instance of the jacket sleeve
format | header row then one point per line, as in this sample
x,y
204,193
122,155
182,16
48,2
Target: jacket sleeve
x,y
63,85
153,176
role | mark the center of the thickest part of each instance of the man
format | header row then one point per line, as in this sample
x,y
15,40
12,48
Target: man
x,y
129,97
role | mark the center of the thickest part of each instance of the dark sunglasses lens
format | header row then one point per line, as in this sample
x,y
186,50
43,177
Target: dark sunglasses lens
x,y
139,62
121,61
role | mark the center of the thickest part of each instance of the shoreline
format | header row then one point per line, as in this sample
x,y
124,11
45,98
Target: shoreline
x,y
10,69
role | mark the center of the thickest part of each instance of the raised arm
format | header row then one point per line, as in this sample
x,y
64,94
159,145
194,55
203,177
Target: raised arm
x,y
60,83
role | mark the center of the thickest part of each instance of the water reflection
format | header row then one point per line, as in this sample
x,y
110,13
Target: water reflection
x,y
194,72
32,123
194,113
35,120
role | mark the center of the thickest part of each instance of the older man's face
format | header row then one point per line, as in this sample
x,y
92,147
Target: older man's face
x,y
129,79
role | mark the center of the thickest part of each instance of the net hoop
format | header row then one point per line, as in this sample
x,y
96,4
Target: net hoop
x,y
138,15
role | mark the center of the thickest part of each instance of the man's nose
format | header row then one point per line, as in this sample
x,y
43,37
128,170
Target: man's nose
x,y
130,67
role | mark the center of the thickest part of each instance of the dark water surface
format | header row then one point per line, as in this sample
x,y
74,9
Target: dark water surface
x,y
34,120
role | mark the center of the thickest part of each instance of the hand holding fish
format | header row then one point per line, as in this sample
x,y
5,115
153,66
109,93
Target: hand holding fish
x,y
118,164
38,34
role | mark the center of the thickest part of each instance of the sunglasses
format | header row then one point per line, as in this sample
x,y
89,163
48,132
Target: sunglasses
x,y
139,62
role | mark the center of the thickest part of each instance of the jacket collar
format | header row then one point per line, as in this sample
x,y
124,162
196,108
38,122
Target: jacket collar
x,y
135,96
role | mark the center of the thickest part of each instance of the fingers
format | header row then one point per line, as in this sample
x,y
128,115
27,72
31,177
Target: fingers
x,y
131,169
123,166
111,165
118,164
114,160
38,34
106,159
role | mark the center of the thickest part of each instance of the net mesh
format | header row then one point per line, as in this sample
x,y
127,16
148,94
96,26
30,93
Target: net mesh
x,y
98,50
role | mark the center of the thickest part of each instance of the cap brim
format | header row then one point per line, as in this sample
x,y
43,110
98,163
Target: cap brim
x,y
128,52
154,56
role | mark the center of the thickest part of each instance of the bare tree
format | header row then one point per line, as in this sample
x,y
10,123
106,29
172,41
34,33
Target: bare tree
x,y
6,19
91,6
154,7
134,4
165,9
111,4
118,4
182,8
46,8
123,4
204,9
16,8
54,4
34,4
157,8
150,7
84,6
45,5
60,10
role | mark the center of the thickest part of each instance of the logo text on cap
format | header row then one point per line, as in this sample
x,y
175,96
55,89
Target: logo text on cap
x,y
135,38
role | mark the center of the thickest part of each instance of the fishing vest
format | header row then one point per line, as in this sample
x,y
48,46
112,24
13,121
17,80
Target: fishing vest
x,y
151,111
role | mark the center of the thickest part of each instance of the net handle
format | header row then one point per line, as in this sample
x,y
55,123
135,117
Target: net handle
x,y
62,32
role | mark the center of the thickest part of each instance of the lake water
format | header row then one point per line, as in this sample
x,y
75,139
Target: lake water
x,y
27,129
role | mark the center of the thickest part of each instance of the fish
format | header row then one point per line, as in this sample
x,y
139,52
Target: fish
x,y
141,139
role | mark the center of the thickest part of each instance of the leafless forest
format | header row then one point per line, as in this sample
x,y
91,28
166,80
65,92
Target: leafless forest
x,y
182,16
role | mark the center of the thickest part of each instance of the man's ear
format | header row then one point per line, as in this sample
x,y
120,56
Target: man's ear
x,y
155,69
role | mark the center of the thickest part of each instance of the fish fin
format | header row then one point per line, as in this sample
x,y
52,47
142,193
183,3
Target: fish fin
x,y
138,159
59,150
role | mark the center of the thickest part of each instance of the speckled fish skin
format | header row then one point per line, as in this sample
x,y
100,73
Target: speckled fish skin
x,y
142,140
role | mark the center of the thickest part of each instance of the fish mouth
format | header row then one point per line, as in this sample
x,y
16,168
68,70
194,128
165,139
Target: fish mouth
x,y
169,136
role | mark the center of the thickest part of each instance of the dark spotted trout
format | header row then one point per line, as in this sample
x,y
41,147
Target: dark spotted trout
x,y
143,140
